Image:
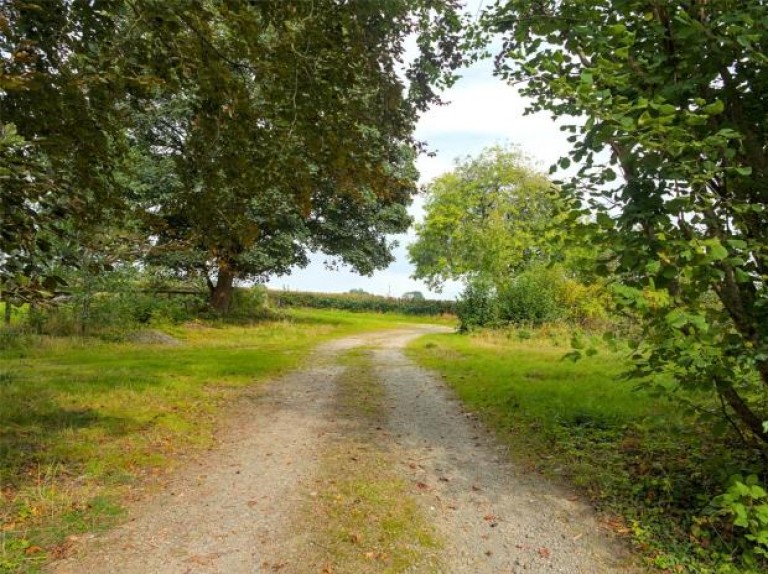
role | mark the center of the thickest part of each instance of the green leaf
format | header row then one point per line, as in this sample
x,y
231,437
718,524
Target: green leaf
x,y
604,220
676,319
716,251
715,108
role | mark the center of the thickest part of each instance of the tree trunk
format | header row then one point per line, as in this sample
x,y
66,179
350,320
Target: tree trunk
x,y
745,413
221,293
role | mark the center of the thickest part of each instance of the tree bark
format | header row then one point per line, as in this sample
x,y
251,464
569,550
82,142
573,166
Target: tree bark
x,y
746,415
8,310
221,293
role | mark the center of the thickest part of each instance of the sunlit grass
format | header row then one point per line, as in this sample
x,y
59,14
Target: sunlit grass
x,y
84,422
643,458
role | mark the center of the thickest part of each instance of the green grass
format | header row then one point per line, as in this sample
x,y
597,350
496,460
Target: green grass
x,y
642,460
364,518
84,422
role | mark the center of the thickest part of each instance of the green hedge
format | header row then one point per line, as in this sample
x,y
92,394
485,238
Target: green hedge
x,y
360,302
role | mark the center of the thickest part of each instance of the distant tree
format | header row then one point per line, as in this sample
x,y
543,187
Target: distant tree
x,y
489,217
358,291
413,296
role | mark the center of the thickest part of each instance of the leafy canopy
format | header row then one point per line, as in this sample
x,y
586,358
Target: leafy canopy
x,y
241,134
488,217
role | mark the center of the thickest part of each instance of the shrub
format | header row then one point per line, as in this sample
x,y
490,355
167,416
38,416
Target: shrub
x,y
360,302
249,303
533,297
477,306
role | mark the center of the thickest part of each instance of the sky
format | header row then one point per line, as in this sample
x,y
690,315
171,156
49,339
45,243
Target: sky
x,y
482,111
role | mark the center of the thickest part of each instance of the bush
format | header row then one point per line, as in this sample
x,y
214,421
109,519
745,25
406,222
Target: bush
x,y
249,303
477,306
541,294
533,297
108,314
361,302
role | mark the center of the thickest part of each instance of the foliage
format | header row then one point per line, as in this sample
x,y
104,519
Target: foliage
x,y
745,503
241,135
631,452
673,165
250,302
539,294
477,305
360,302
488,217
533,297
288,130
494,223
60,131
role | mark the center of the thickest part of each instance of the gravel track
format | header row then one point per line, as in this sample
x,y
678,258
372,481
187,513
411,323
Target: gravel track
x,y
235,509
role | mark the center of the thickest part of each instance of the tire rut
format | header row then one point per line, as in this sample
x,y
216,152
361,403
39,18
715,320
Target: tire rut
x,y
238,508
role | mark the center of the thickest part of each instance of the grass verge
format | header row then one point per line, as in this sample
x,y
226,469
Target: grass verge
x,y
362,517
86,425
642,460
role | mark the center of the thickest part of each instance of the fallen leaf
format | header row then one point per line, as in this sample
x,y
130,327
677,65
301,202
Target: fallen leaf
x,y
489,517
422,486
544,552
60,550
33,550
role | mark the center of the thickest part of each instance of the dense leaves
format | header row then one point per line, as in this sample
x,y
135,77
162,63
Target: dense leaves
x,y
488,217
671,140
495,223
59,130
259,131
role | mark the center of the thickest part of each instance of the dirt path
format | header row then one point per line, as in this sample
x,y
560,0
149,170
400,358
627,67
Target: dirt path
x,y
240,508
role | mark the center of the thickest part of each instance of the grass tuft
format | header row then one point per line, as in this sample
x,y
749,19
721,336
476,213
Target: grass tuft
x,y
364,519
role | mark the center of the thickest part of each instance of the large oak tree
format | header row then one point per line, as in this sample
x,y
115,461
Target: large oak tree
x,y
262,129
